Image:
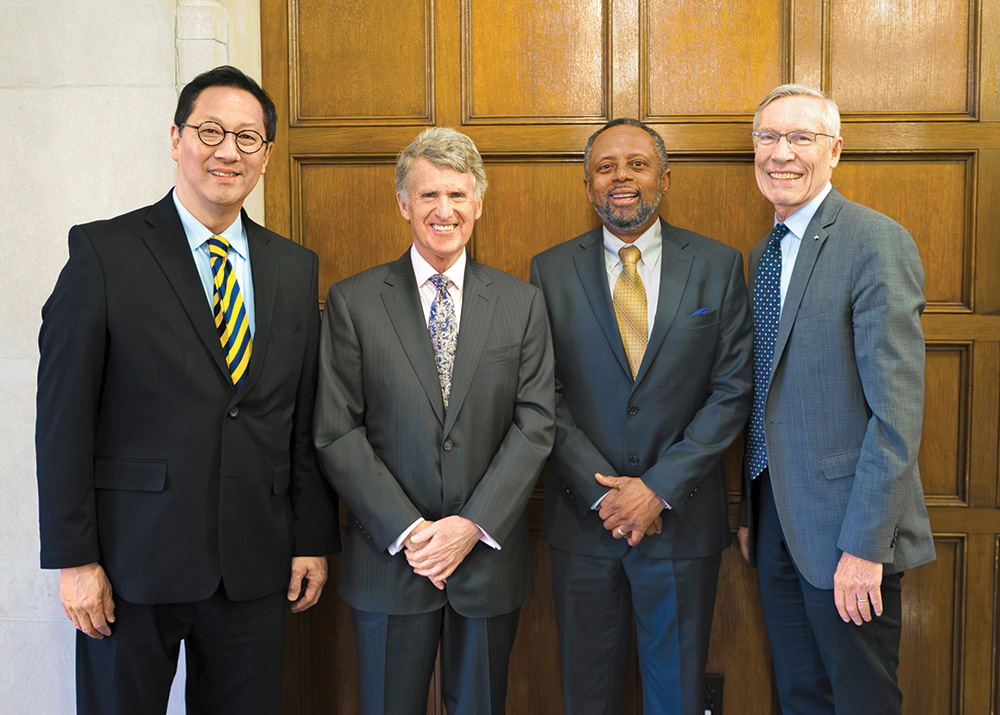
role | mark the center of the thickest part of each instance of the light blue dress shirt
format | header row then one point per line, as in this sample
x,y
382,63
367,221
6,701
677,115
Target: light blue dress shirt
x,y
239,256
797,224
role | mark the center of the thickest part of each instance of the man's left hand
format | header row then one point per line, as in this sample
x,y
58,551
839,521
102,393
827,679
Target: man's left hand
x,y
441,547
629,508
311,570
857,589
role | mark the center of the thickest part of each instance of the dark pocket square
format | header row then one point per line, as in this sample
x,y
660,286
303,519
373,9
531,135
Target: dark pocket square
x,y
700,311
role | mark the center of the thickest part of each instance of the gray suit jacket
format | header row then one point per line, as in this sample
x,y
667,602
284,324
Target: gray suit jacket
x,y
845,404
392,452
671,426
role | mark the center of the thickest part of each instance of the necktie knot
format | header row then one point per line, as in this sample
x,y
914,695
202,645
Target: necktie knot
x,y
218,246
440,281
630,255
778,233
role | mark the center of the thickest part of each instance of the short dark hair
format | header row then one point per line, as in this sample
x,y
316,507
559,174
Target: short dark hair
x,y
661,149
226,76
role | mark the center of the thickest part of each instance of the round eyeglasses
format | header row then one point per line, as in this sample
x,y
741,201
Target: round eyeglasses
x,y
212,134
796,139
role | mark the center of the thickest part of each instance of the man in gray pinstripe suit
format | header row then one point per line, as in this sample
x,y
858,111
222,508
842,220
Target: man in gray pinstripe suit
x,y
434,415
833,509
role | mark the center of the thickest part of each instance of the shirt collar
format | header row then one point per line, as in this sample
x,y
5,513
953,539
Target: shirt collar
x,y
799,221
650,244
197,234
422,270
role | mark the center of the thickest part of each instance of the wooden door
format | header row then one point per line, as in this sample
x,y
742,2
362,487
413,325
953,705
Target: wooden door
x,y
918,82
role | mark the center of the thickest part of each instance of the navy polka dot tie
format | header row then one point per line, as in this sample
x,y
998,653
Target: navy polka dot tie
x,y
766,313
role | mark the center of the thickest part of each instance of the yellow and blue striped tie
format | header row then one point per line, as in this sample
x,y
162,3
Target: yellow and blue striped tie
x,y
230,313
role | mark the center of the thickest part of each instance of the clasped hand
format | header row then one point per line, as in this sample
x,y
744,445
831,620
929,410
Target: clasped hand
x,y
631,510
436,548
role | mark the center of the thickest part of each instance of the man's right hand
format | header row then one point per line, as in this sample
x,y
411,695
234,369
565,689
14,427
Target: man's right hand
x,y
85,593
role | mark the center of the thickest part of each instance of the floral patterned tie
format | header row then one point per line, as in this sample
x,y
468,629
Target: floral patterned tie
x,y
444,333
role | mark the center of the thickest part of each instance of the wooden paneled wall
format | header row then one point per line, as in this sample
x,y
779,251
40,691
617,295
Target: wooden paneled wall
x,y
918,83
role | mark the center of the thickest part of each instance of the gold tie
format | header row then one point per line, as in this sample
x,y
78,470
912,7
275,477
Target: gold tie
x,y
630,308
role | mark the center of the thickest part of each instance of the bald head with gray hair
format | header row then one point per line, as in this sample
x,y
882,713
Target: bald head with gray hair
x,y
445,148
830,116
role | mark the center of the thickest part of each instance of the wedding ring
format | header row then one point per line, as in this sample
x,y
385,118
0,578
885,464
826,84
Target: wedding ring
x,y
862,600
619,530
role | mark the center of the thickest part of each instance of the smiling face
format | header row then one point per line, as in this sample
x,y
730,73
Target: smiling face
x,y
626,184
790,177
442,208
213,181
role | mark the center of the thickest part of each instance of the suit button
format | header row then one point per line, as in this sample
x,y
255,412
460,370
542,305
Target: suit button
x,y
633,460
633,409
234,412
448,445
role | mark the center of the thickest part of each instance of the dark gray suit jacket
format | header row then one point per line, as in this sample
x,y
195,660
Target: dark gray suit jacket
x,y
386,443
845,403
672,425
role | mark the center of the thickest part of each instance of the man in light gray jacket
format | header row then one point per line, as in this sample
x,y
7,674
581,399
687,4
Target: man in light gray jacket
x,y
833,511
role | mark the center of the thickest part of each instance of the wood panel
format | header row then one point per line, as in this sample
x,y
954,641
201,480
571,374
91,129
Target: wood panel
x,y
334,82
551,68
696,57
366,229
919,88
933,613
530,190
900,56
944,445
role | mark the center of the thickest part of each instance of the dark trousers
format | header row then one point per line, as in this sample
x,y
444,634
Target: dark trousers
x,y
821,664
672,601
234,657
396,661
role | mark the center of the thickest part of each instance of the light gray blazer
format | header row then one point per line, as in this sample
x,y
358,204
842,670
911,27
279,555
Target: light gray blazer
x,y
845,403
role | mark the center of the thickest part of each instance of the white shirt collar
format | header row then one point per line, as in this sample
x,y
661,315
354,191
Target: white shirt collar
x,y
422,270
650,244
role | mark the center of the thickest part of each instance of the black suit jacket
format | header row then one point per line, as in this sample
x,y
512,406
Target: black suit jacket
x,y
671,426
149,462
394,454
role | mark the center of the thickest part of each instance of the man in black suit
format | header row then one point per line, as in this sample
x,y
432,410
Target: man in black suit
x,y
178,488
651,331
433,419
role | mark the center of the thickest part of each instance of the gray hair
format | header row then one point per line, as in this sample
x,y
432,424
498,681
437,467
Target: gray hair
x,y
830,118
661,149
443,147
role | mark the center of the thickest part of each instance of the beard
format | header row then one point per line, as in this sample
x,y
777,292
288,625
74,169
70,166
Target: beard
x,y
627,219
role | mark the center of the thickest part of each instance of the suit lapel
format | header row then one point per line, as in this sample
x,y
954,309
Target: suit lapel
x,y
402,302
675,267
593,273
264,269
805,262
478,305
166,242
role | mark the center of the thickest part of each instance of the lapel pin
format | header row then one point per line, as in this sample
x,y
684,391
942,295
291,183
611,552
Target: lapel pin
x,y
815,238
